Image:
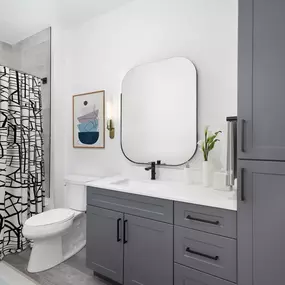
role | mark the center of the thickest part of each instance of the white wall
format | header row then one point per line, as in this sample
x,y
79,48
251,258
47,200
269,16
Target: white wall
x,y
25,18
98,54
8,56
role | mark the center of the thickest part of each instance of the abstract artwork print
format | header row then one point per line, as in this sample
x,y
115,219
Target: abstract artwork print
x,y
89,120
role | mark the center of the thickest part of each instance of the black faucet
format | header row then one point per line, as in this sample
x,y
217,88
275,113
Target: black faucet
x,y
152,168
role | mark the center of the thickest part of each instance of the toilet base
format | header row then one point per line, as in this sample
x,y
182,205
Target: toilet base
x,y
45,254
51,251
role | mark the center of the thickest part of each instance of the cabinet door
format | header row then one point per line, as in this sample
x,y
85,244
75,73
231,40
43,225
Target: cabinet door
x,y
261,223
105,242
261,79
148,252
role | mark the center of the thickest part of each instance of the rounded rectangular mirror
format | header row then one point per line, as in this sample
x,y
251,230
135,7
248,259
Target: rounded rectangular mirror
x,y
159,112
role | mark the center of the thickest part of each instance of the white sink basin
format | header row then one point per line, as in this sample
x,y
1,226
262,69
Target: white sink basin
x,y
121,182
151,185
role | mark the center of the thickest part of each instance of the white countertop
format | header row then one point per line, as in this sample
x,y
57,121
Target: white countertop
x,y
194,194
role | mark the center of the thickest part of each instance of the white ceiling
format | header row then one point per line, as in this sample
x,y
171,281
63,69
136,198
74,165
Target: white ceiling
x,y
22,18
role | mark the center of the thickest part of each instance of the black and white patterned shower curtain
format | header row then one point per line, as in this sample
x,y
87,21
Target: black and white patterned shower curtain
x,y
21,156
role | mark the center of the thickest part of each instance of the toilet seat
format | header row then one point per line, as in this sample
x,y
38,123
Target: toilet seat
x,y
48,223
50,217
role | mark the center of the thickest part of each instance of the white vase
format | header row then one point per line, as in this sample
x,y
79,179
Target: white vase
x,y
207,173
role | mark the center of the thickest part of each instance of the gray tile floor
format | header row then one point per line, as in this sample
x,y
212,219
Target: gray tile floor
x,y
71,272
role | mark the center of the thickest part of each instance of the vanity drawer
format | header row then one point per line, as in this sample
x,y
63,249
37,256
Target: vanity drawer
x,y
207,219
142,206
209,253
186,276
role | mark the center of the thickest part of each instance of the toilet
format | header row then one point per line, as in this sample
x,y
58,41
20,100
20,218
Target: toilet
x,y
58,234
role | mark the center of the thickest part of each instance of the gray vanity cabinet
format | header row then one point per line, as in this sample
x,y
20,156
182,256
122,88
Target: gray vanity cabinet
x,y
139,240
148,252
261,223
261,84
104,245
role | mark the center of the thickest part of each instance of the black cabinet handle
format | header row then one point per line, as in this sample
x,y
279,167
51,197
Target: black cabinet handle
x,y
203,221
125,231
118,229
242,196
188,249
242,123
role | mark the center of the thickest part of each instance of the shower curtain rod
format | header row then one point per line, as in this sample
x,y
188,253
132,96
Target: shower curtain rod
x,y
44,79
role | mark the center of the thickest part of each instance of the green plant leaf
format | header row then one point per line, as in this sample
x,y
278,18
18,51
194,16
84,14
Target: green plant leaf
x,y
211,146
206,131
211,139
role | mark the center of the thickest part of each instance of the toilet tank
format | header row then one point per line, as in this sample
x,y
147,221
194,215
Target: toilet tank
x,y
75,191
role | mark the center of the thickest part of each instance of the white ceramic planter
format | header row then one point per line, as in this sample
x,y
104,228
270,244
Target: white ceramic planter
x,y
207,173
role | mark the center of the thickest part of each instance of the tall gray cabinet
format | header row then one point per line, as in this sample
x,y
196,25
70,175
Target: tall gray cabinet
x,y
261,145
261,79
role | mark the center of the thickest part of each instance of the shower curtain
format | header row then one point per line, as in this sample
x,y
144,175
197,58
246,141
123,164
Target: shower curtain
x,y
21,156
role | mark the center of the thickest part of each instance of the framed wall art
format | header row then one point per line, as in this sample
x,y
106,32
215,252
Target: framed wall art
x,y
89,120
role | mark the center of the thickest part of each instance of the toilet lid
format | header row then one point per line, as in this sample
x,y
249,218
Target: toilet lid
x,y
50,217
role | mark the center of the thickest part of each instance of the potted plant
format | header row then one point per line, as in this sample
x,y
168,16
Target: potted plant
x,y
206,146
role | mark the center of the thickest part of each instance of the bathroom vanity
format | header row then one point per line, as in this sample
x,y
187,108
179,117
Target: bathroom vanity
x,y
161,233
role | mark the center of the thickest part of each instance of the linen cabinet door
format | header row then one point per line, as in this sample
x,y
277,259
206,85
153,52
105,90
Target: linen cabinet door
x,y
148,252
261,223
261,84
105,242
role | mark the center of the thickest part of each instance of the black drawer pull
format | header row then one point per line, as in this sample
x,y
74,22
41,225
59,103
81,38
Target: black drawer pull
x,y
203,221
118,229
242,196
242,123
201,254
125,231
